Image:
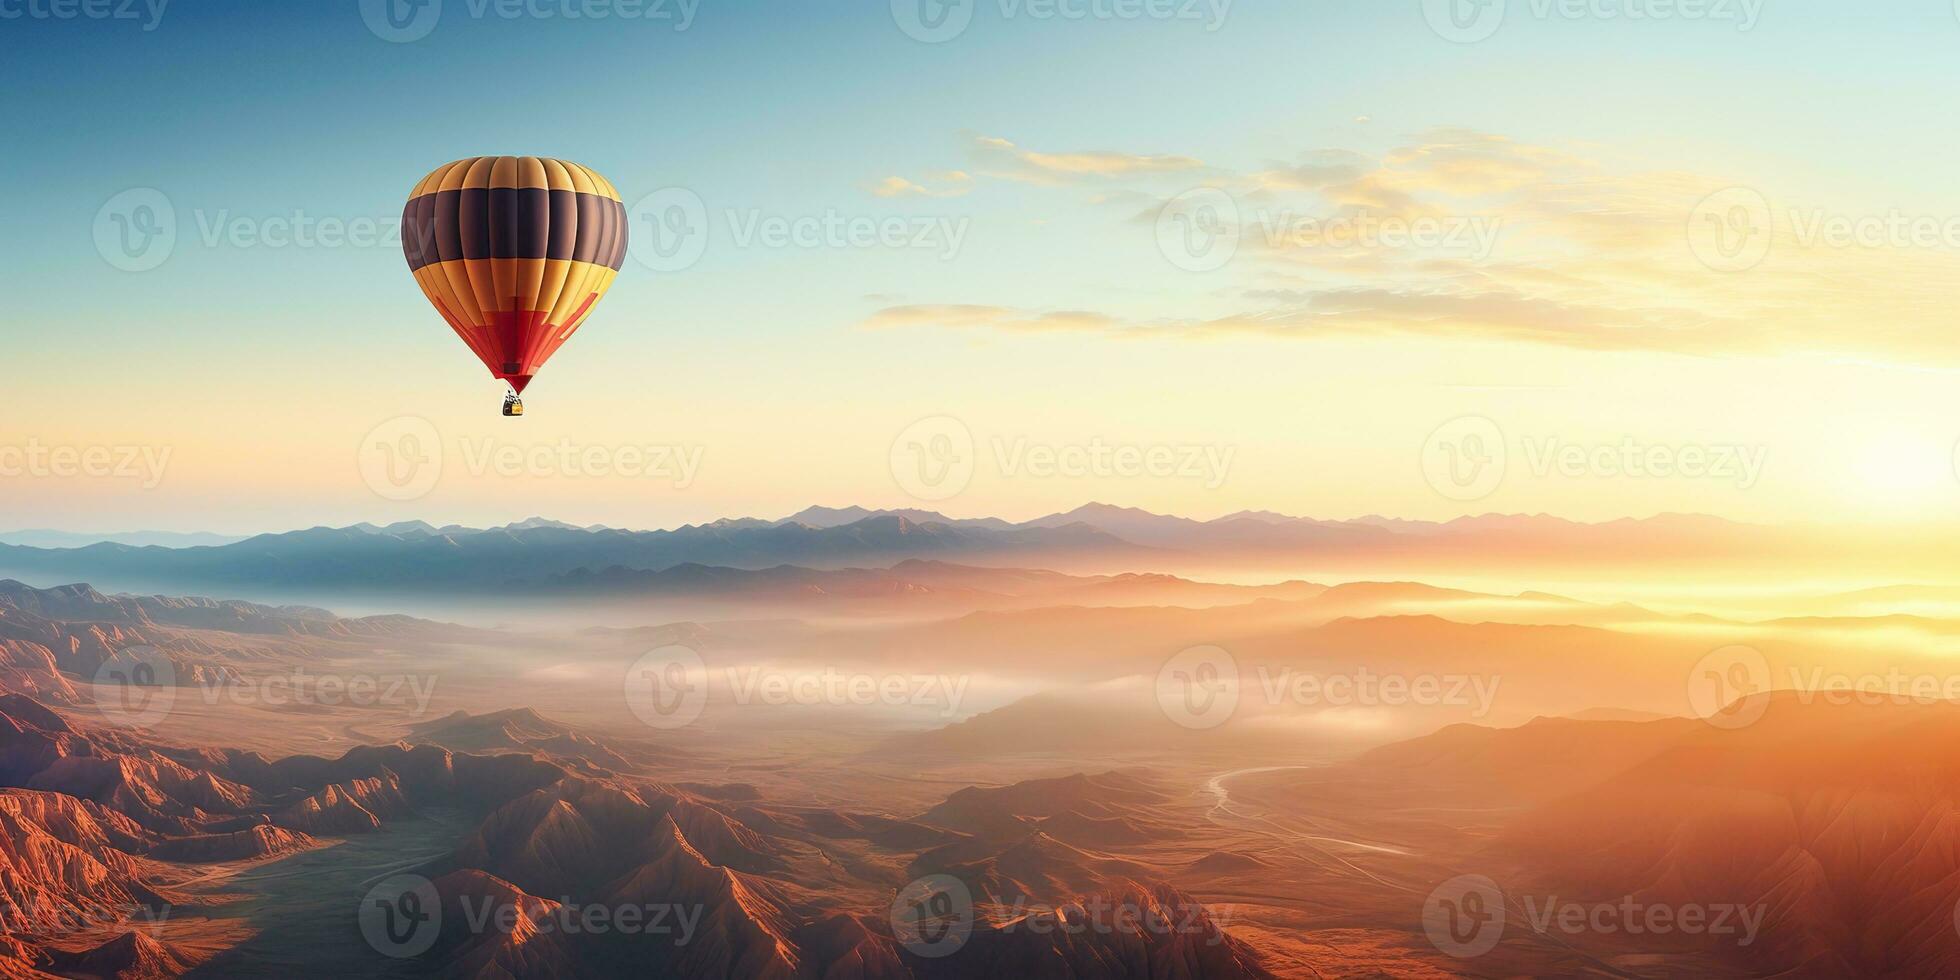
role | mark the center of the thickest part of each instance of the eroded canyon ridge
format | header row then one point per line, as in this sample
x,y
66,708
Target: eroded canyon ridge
x,y
931,769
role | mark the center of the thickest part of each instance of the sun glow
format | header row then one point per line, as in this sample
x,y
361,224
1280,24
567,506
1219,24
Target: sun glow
x,y
1906,469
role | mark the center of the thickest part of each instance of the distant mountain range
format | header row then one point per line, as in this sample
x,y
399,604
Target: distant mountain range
x,y
938,585
44,538
418,555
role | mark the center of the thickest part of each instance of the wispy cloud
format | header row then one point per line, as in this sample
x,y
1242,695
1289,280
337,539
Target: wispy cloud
x,y
950,183
996,317
1530,243
1004,159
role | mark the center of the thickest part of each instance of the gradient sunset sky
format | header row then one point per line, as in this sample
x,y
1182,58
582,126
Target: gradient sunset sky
x,y
1587,147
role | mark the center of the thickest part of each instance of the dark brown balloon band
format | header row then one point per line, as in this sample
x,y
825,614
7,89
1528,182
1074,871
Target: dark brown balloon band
x,y
514,223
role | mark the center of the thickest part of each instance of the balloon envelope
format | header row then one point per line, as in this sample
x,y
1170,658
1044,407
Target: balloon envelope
x,y
514,252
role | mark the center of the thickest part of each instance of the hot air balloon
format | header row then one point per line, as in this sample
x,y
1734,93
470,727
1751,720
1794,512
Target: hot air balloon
x,y
514,252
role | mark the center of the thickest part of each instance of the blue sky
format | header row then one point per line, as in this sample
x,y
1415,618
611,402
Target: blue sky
x,y
244,112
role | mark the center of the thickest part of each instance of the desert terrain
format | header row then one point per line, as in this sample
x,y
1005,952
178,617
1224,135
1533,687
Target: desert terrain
x,y
924,767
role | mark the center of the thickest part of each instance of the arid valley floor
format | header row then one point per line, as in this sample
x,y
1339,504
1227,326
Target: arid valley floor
x,y
946,763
